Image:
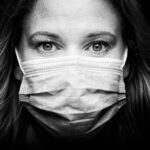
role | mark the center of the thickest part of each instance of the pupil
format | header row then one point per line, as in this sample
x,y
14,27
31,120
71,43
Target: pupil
x,y
97,47
47,46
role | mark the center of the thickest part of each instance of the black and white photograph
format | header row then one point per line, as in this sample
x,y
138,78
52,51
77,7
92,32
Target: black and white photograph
x,y
74,74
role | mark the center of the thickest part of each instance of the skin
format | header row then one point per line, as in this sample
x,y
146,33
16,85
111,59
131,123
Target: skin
x,y
56,28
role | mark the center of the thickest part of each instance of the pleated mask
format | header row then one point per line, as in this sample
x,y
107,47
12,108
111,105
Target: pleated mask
x,y
73,96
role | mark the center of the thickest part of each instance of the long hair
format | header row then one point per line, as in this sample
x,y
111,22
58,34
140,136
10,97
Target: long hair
x,y
136,35
12,16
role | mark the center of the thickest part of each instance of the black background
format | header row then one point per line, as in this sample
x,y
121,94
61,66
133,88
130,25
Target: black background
x,y
146,9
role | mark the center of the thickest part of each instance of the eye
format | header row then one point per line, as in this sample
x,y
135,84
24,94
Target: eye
x,y
47,47
98,47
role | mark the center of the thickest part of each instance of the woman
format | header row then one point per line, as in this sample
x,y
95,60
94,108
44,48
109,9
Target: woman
x,y
67,55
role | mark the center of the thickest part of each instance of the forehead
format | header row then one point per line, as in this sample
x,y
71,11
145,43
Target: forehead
x,y
73,7
100,12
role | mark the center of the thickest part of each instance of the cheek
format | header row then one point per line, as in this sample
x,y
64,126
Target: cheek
x,y
119,50
25,51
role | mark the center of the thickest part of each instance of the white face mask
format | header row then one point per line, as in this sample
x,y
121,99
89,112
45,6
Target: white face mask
x,y
79,93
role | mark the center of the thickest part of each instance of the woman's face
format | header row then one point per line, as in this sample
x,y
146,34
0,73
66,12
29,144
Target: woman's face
x,y
57,28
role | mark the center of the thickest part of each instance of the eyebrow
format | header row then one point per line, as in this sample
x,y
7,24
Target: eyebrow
x,y
89,36
100,34
44,33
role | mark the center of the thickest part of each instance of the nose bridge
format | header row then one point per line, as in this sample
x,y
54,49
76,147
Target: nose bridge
x,y
73,50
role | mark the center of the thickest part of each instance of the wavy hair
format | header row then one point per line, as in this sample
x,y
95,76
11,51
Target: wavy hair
x,y
135,31
136,34
12,16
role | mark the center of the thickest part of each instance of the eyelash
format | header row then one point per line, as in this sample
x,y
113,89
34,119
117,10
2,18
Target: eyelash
x,y
104,44
39,46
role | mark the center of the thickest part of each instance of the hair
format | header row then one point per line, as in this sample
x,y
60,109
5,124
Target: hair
x,y
13,13
136,35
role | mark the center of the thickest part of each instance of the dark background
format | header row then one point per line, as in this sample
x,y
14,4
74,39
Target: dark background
x,y
146,9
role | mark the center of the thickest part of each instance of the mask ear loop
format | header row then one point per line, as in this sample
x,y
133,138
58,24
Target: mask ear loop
x,y
22,98
19,60
121,85
124,58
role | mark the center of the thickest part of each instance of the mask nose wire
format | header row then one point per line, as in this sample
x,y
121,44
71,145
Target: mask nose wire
x,y
19,60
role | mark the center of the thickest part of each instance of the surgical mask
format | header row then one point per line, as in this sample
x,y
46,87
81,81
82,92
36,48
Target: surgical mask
x,y
73,96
